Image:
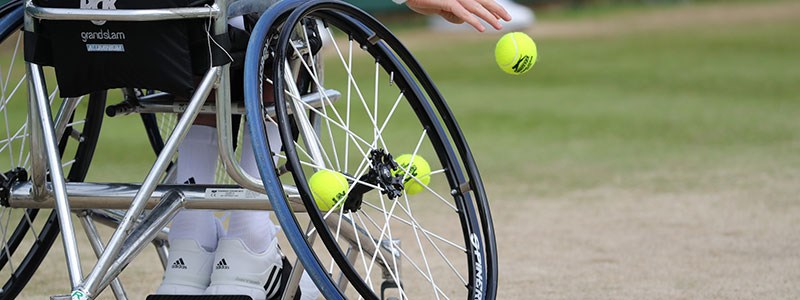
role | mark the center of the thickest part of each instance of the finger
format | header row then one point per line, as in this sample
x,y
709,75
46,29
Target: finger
x,y
497,10
477,9
463,14
450,17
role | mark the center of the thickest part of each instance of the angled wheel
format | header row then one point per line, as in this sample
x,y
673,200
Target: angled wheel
x,y
27,234
405,214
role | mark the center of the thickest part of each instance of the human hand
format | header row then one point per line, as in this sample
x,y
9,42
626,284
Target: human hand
x,y
460,11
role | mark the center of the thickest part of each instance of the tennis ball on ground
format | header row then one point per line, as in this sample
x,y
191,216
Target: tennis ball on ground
x,y
419,169
515,53
328,188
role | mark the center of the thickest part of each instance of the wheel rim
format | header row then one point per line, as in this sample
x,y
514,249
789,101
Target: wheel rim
x,y
439,260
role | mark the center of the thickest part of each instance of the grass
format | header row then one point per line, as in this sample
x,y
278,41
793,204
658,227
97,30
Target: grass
x,y
617,8
658,110
666,110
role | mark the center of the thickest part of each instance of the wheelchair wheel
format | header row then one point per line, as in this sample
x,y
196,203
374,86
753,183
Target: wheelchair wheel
x,y
412,221
27,234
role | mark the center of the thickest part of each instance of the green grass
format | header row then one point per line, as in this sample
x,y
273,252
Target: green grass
x,y
564,11
123,155
666,111
669,110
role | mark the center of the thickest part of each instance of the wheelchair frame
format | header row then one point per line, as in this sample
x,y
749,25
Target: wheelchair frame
x,y
99,202
94,200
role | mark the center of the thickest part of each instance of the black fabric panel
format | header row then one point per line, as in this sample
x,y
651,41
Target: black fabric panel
x,y
149,55
220,46
238,46
238,40
90,56
37,49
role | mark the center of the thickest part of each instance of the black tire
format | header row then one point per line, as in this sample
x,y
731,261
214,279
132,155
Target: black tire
x,y
398,110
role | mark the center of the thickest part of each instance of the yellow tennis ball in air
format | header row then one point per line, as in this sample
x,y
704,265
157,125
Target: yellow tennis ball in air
x,y
328,188
419,169
515,53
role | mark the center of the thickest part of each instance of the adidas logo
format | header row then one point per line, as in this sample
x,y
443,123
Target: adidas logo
x,y
222,264
179,264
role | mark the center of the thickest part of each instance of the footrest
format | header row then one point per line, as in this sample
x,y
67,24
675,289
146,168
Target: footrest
x,y
198,297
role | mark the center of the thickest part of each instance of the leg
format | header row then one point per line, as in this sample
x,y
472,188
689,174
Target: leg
x,y
248,260
194,233
248,250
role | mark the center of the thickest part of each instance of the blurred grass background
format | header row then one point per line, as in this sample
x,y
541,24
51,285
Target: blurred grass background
x,y
676,108
665,110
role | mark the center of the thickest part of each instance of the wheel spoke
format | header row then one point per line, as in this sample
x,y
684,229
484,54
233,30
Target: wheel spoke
x,y
422,228
389,110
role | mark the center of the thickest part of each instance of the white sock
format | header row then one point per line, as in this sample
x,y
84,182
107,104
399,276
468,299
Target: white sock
x,y
199,225
197,157
248,161
253,227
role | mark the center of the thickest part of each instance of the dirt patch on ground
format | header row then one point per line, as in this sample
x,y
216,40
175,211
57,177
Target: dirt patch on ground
x,y
608,243
616,244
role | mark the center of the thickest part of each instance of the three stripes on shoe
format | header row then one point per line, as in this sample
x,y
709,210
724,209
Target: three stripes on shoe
x,y
273,281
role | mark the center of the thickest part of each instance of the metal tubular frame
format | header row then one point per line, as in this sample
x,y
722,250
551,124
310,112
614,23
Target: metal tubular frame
x,y
149,227
165,103
38,102
46,13
133,232
38,168
97,246
92,282
64,112
84,195
42,123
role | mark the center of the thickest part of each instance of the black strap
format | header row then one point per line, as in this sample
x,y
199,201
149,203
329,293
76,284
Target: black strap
x,y
220,46
38,49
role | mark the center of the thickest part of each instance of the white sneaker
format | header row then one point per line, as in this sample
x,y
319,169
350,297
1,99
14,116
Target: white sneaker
x,y
239,271
308,290
521,17
188,271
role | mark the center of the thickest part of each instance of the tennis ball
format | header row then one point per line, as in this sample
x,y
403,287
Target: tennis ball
x,y
328,188
420,169
515,53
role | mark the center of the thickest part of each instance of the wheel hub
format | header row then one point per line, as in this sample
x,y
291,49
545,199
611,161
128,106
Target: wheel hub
x,y
7,181
381,174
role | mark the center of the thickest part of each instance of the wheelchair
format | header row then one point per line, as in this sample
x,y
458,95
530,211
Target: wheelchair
x,y
348,98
